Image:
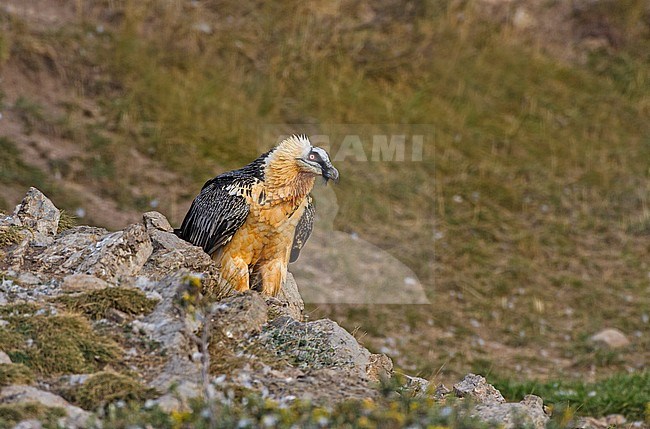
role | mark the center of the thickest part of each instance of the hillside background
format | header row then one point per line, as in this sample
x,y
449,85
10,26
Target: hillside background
x,y
527,222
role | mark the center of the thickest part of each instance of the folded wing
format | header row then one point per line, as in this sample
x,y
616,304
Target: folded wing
x,y
303,230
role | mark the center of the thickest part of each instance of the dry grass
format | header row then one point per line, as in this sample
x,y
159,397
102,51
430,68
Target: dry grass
x,y
95,304
106,387
56,344
12,414
12,373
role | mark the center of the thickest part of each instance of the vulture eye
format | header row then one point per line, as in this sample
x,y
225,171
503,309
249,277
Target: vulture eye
x,y
312,157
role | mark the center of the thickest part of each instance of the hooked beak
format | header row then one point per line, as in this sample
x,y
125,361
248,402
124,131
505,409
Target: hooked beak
x,y
331,173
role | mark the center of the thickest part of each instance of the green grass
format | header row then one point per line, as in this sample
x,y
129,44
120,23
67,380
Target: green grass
x,y
627,394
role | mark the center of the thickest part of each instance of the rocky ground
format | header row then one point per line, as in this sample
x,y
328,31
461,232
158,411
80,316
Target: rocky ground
x,y
88,317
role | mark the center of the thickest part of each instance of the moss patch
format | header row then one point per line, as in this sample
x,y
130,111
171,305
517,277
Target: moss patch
x,y
54,345
95,304
10,235
15,373
106,387
10,414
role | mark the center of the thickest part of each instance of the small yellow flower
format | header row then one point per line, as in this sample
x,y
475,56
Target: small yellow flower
x,y
319,412
364,422
180,417
368,404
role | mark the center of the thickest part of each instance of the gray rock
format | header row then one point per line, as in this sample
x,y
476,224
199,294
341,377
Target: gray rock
x,y
76,417
610,421
29,424
240,315
82,283
9,220
417,386
117,255
477,388
155,220
69,250
178,399
167,403
288,302
17,256
170,327
38,213
29,279
527,413
611,338
440,392
380,367
4,357
171,253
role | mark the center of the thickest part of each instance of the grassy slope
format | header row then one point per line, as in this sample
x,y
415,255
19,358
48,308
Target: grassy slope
x,y
550,159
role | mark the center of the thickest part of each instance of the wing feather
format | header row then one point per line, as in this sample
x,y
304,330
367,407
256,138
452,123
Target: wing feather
x,y
221,209
303,230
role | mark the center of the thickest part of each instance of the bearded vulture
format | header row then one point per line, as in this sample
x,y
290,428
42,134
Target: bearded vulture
x,y
255,220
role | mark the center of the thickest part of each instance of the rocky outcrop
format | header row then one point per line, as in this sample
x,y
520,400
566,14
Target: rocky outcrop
x,y
200,339
264,338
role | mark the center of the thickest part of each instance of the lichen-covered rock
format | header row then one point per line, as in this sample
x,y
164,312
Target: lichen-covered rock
x,y
477,388
318,344
38,213
76,417
527,413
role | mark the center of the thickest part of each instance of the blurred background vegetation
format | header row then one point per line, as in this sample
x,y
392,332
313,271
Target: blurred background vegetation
x,y
528,221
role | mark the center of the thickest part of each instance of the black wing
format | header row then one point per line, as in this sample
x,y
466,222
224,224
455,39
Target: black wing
x,y
303,230
221,208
